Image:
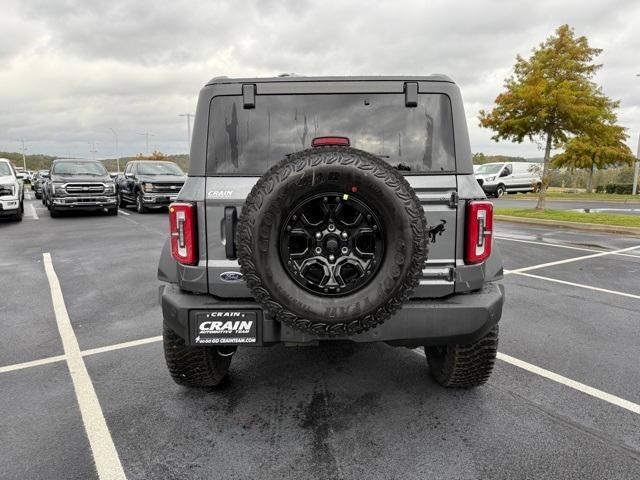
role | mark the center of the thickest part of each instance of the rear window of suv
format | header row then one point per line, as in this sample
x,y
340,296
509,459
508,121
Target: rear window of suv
x,y
250,141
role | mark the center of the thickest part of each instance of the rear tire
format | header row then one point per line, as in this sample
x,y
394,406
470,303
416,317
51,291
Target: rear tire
x,y
193,366
464,366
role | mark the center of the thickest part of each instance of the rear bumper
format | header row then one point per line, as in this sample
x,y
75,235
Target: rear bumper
x,y
462,318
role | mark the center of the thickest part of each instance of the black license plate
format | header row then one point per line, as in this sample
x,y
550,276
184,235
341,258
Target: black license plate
x,y
224,327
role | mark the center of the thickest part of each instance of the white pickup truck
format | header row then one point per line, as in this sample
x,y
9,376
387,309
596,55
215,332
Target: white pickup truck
x,y
11,191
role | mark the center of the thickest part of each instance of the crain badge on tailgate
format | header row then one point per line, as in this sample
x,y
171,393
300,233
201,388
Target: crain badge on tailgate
x,y
231,277
219,193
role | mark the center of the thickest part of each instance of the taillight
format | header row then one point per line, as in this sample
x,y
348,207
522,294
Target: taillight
x,y
182,221
479,231
326,141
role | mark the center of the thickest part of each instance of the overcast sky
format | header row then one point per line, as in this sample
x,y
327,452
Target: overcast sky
x,y
71,70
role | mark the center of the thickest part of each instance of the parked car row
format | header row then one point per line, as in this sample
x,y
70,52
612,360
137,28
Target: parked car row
x,y
37,180
74,184
11,191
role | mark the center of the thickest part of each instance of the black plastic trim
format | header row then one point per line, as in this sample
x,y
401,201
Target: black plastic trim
x,y
249,96
411,94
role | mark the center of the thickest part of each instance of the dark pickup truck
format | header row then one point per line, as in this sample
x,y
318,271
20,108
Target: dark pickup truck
x,y
78,185
149,184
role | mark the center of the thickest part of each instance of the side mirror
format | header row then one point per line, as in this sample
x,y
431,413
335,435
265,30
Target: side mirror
x,y
505,173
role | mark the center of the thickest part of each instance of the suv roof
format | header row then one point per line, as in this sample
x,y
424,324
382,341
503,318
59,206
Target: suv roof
x,y
436,77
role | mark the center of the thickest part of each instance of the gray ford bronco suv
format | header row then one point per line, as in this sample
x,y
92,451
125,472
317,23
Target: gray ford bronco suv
x,y
340,208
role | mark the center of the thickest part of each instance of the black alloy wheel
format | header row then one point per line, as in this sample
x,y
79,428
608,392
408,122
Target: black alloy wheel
x,y
331,244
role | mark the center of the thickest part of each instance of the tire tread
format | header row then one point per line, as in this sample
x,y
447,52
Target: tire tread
x,y
193,366
464,366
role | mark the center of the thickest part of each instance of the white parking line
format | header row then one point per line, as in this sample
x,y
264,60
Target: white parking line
x,y
569,247
109,348
104,451
511,239
123,212
84,353
33,363
581,387
32,211
570,260
579,285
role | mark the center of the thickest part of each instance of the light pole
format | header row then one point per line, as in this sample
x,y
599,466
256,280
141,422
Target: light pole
x,y
147,135
636,169
115,136
189,117
93,150
24,158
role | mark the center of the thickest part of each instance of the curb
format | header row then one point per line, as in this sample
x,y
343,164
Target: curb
x,y
593,227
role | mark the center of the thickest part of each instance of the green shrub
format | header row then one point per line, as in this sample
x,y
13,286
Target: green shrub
x,y
622,188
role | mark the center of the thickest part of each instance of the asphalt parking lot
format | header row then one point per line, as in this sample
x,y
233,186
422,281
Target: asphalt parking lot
x,y
563,401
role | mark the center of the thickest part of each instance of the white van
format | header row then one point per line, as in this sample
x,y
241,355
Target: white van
x,y
502,177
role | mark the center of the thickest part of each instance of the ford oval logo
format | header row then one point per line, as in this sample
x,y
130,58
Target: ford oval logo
x,y
231,277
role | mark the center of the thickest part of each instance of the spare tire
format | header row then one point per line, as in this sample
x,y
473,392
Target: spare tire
x,y
332,241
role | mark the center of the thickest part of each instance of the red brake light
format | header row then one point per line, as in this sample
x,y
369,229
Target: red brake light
x,y
182,221
326,141
479,231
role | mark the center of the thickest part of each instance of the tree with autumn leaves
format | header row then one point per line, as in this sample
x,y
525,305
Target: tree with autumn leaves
x,y
602,147
155,155
552,98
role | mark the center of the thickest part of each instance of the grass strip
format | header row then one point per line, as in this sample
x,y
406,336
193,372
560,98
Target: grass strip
x,y
568,216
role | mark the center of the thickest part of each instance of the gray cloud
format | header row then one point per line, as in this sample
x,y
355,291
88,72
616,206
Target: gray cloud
x,y
73,69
